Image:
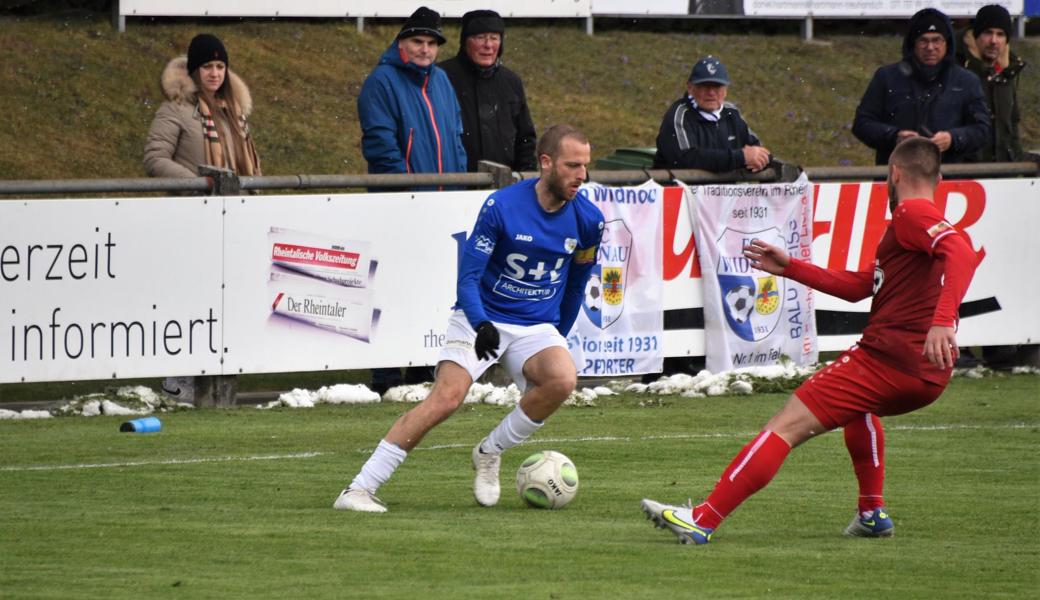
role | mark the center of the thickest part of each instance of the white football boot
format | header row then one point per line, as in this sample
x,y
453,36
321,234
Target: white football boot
x,y
360,500
485,485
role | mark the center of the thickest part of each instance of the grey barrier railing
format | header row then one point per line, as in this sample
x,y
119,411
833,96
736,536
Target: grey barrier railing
x,y
221,390
224,183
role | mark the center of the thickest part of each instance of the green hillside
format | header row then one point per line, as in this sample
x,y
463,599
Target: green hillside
x,y
78,97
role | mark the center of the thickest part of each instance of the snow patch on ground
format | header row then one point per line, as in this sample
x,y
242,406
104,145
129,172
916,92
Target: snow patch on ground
x,y
139,400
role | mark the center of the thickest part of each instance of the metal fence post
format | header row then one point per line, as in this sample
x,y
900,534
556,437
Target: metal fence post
x,y
501,175
218,390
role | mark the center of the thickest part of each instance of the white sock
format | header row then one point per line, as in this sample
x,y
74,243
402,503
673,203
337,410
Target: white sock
x,y
514,429
380,466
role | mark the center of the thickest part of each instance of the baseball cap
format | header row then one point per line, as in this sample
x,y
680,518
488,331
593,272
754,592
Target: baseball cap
x,y
709,70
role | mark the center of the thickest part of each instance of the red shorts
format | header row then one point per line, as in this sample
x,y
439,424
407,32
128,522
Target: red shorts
x,y
856,383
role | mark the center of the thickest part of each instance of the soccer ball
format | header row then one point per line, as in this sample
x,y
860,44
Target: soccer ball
x,y
547,479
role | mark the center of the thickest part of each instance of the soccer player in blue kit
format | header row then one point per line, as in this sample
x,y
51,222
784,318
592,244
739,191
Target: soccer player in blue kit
x,y
520,286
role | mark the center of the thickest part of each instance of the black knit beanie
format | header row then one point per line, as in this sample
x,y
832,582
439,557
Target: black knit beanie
x,y
204,48
927,21
481,21
423,21
991,16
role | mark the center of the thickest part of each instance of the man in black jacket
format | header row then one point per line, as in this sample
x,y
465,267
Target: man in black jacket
x,y
926,94
496,122
701,131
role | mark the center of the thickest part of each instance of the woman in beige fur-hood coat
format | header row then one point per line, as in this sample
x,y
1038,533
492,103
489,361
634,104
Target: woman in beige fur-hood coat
x,y
186,133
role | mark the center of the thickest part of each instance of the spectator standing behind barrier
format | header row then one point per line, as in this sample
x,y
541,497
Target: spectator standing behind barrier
x,y
496,123
410,118
702,131
985,52
410,123
925,94
202,122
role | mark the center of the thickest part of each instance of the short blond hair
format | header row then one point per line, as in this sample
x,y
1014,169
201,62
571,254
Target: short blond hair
x,y
549,143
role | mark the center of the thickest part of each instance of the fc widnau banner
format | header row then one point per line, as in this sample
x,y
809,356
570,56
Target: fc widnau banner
x,y
753,318
620,326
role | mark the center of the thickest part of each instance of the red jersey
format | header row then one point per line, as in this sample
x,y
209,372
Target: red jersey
x,y
921,272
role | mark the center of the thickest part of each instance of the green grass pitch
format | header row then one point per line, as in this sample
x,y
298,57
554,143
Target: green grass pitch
x,y
238,504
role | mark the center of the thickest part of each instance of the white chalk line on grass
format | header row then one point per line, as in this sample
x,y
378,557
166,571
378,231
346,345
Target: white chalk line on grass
x,y
692,436
172,461
559,440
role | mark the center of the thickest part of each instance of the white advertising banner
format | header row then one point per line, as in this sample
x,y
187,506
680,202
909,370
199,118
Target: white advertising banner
x,y
345,281
121,288
753,318
619,329
348,8
870,8
98,289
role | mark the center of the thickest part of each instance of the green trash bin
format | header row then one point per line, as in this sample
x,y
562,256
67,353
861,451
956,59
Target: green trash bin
x,y
627,158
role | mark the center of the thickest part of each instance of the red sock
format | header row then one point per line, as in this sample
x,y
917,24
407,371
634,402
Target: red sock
x,y
865,440
750,471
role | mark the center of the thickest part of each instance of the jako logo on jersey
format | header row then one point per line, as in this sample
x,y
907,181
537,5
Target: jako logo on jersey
x,y
484,244
523,237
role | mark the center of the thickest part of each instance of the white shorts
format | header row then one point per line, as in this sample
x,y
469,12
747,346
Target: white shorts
x,y
517,343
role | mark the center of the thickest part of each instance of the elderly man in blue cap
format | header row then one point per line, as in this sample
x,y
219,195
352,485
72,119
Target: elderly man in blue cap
x,y
702,131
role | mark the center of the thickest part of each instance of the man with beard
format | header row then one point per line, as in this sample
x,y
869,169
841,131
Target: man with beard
x,y
902,363
926,94
496,123
520,285
986,53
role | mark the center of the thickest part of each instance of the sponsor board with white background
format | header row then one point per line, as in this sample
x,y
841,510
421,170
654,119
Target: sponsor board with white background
x,y
556,8
96,289
348,8
870,8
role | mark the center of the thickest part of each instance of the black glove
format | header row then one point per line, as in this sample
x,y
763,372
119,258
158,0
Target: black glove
x,y
486,345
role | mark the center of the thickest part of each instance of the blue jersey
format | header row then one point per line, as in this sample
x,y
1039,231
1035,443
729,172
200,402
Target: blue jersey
x,y
524,265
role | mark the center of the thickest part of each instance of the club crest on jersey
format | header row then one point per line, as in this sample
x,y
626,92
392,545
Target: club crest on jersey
x,y
605,289
751,299
938,228
569,245
484,244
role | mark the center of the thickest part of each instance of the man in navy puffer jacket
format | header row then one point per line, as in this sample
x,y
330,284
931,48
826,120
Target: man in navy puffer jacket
x,y
926,94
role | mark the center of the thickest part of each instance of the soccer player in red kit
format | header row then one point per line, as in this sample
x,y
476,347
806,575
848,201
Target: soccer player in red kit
x,y
902,362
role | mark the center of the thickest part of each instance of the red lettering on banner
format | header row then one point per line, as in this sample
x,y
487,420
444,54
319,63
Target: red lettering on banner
x,y
877,222
819,227
975,204
675,264
844,215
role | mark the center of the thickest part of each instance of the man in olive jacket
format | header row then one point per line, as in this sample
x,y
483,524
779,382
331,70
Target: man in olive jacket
x,y
985,52
496,123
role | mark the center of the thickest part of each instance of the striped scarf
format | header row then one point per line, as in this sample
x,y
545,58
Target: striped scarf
x,y
220,152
